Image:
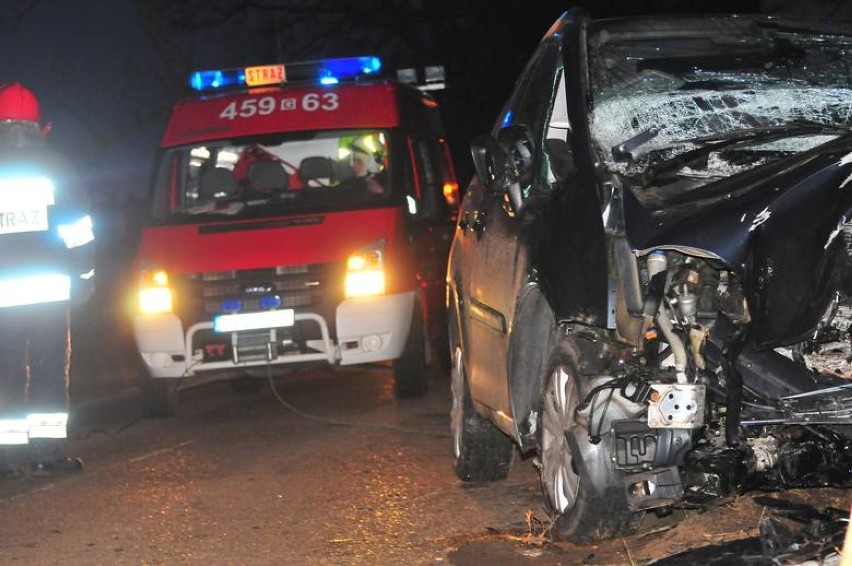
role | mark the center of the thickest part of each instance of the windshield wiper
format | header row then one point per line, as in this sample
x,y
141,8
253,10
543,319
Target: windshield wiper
x,y
623,151
737,138
791,129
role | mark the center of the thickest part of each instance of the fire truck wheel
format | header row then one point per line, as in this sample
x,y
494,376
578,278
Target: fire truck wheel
x,y
160,396
438,355
409,370
441,357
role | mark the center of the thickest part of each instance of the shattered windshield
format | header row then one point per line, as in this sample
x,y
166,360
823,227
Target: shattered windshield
x,y
258,176
707,98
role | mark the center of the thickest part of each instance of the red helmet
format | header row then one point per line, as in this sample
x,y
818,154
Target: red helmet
x,y
18,103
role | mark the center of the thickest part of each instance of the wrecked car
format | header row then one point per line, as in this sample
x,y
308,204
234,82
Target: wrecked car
x,y
649,284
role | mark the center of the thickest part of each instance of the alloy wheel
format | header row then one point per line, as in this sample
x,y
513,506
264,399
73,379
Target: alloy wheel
x,y
560,481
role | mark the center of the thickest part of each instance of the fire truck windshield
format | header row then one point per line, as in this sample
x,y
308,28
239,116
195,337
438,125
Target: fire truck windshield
x,y
259,176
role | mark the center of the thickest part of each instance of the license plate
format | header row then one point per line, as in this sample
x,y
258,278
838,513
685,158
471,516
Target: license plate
x,y
254,320
24,220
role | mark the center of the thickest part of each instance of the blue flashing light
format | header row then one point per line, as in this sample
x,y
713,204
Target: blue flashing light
x,y
372,65
326,72
217,79
348,67
270,302
507,118
232,305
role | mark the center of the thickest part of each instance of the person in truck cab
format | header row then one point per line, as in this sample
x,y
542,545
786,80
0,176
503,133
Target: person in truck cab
x,y
46,260
368,168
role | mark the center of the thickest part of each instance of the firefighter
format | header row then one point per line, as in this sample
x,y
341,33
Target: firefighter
x,y
46,263
367,166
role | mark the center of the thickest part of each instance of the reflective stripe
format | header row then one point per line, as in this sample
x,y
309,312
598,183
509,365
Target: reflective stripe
x,y
34,290
48,425
14,431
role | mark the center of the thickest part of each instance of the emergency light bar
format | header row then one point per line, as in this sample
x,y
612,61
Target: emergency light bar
x,y
326,71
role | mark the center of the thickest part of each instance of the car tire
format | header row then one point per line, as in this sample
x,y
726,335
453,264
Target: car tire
x,y
581,487
480,451
160,396
411,378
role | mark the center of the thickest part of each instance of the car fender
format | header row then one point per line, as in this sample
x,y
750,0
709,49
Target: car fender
x,y
533,336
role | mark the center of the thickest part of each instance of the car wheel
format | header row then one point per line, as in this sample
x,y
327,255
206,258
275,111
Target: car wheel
x,y
581,488
411,378
160,396
481,452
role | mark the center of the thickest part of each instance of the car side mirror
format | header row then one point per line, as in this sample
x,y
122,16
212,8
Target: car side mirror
x,y
505,164
561,159
489,161
517,142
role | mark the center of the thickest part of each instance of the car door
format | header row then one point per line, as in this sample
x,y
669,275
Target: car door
x,y
500,254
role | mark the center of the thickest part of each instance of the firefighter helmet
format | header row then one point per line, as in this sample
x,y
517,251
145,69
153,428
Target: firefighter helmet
x,y
18,103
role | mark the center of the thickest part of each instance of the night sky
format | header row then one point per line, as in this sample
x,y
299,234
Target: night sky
x,y
107,71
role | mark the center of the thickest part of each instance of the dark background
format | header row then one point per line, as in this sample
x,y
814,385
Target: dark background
x,y
108,71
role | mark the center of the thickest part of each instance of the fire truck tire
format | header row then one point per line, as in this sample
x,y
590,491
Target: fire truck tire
x,y
411,378
160,396
439,355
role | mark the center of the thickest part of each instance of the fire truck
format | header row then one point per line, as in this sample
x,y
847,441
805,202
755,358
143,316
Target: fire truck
x,y
301,216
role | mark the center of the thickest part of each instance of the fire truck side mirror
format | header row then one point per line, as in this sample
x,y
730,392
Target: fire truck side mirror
x,y
435,209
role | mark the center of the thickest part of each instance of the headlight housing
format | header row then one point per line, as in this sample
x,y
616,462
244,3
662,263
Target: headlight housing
x,y
365,275
155,295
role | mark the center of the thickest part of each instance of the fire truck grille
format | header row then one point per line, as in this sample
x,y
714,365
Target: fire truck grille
x,y
305,287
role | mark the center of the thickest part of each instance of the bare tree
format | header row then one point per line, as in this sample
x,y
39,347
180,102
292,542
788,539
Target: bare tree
x,y
12,12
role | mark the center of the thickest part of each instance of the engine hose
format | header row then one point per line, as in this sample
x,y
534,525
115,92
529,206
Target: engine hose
x,y
678,349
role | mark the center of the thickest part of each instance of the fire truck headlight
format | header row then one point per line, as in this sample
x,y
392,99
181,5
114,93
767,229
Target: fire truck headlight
x,y
155,296
78,233
365,273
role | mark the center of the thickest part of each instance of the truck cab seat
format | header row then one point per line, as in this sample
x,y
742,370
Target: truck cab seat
x,y
267,176
216,183
316,171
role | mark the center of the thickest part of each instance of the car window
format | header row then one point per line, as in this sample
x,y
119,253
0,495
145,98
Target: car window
x,y
720,97
534,104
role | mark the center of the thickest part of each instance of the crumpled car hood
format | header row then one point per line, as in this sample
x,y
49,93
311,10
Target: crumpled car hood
x,y
778,232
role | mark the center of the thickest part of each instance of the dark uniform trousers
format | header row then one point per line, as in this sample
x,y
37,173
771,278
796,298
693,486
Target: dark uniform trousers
x,y
35,352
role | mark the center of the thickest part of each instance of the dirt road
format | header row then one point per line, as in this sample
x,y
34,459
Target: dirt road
x,y
326,468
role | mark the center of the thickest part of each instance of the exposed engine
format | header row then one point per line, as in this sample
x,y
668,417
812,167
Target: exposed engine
x,y
709,416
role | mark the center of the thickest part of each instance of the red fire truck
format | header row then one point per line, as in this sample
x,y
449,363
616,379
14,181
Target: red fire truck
x,y
301,215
